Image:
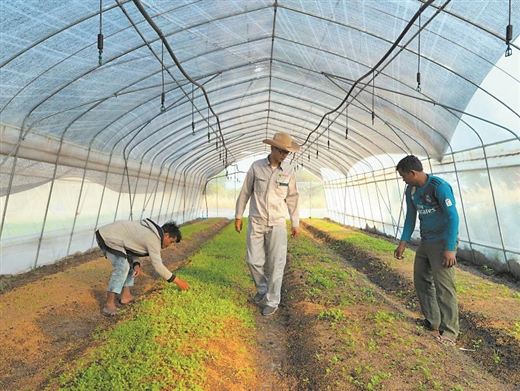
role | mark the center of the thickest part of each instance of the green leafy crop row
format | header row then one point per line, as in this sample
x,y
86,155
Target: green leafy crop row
x,y
163,342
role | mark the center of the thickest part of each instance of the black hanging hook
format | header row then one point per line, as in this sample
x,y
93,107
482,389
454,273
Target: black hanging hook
x,y
509,33
418,88
192,110
163,94
100,35
328,135
373,96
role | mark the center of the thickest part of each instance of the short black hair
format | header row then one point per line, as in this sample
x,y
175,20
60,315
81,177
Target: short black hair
x,y
409,163
173,230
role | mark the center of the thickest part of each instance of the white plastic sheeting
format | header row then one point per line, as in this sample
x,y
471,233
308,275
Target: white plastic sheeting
x,y
181,90
487,189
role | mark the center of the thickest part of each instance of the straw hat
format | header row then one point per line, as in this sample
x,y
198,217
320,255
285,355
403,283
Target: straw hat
x,y
283,141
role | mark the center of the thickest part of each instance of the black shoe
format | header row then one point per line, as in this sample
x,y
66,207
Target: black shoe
x,y
425,323
268,311
259,297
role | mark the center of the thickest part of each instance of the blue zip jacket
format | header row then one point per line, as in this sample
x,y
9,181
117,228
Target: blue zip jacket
x,y
438,216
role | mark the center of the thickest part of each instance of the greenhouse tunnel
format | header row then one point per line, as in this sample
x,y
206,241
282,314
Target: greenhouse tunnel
x,y
121,110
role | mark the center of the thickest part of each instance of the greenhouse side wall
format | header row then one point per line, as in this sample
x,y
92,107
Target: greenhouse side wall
x,y
486,184
57,219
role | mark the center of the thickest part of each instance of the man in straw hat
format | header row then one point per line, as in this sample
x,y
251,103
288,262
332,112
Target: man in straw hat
x,y
270,184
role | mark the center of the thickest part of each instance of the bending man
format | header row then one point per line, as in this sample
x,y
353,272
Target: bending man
x,y
122,241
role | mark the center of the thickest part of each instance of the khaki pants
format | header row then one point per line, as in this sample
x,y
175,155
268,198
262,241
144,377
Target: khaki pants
x,y
266,258
435,288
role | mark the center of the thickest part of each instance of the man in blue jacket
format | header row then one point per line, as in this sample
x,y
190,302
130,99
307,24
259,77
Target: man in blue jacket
x,y
434,277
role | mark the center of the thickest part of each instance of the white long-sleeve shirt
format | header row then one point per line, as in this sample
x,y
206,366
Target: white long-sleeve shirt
x,y
134,239
272,192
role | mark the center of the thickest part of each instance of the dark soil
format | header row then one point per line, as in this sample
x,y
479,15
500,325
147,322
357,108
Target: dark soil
x,y
492,336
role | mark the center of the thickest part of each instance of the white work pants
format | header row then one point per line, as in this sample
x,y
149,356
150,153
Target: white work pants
x,y
266,258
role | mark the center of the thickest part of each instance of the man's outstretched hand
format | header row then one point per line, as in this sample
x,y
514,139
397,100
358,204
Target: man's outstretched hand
x,y
181,284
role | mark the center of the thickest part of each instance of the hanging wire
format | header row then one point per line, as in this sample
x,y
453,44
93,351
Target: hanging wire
x,y
425,5
150,21
328,135
192,109
163,94
346,122
209,136
100,35
418,88
509,33
373,96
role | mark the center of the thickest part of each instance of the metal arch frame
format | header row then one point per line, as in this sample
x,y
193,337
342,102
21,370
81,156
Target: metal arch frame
x,y
49,97
62,139
359,157
156,130
425,100
380,62
162,38
387,123
192,164
38,42
458,75
467,21
127,52
447,108
269,6
281,113
244,82
127,134
283,104
302,44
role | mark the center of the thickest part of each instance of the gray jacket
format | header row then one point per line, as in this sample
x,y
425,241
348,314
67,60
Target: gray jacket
x,y
131,239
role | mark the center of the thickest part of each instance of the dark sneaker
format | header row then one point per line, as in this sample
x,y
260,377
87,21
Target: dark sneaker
x,y
425,324
259,297
268,311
